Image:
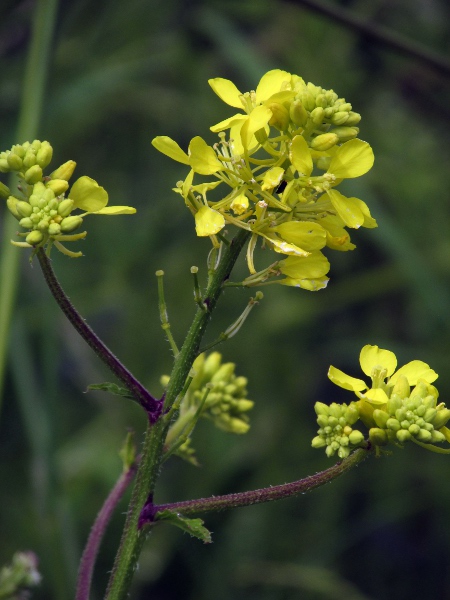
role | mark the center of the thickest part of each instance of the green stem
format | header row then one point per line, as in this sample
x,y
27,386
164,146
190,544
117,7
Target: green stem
x,y
276,492
133,537
36,70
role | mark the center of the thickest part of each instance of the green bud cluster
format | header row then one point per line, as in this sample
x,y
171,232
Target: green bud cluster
x,y
28,158
226,403
330,119
417,416
336,433
22,573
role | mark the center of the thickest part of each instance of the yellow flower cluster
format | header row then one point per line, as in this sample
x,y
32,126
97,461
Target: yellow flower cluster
x,y
389,408
41,205
284,155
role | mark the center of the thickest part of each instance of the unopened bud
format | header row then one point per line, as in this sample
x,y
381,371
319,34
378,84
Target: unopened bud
x,y
380,417
65,171
401,388
317,115
339,118
26,223
34,174
280,116
24,209
34,238
441,418
403,435
297,113
353,119
308,101
356,437
14,161
378,436
44,155
29,160
11,203
70,224
54,229
5,192
58,186
65,207
346,133
325,141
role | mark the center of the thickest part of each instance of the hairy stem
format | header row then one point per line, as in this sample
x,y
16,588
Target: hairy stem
x,y
133,536
148,402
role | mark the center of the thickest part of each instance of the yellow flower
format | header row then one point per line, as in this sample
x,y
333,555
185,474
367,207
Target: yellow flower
x,y
380,366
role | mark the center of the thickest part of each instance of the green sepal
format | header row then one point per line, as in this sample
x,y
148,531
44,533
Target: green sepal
x,y
128,451
194,527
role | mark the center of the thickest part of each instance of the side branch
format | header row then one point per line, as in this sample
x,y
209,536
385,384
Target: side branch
x,y
147,401
277,492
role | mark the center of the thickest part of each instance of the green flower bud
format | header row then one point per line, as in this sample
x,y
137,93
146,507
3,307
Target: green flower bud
x,y
44,155
380,417
238,426
378,436
414,429
392,424
4,191
54,229
224,373
353,119
65,207
356,437
11,203
437,437
421,390
211,365
324,141
308,101
34,174
280,116
401,388
441,418
346,106
34,238
244,405
58,186
29,160
321,100
317,115
24,209
70,224
339,118
321,409
346,133
26,223
318,442
4,166
430,415
297,113
14,162
403,436
65,171
322,420
424,436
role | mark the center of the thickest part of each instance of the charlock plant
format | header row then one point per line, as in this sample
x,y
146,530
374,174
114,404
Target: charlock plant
x,y
272,177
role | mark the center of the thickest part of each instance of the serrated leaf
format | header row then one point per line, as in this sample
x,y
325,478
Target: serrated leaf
x,y
194,527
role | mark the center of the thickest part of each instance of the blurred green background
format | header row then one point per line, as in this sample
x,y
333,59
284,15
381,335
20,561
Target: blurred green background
x,y
119,74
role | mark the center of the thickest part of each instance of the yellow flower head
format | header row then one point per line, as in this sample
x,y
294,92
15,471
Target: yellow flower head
x,y
280,159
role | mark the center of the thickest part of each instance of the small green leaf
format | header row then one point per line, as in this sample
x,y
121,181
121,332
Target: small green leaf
x,y
194,527
112,388
128,451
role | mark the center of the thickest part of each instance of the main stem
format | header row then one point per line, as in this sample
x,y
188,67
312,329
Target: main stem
x,y
133,537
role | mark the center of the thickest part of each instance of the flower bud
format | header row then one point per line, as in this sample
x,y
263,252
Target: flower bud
x,y
401,388
339,118
65,207
378,436
244,405
353,119
392,424
321,100
325,141
346,133
380,417
54,229
318,442
11,203
321,409
14,162
280,116
356,437
26,223
403,435
58,186
297,113
24,209
29,160
4,166
65,171
70,224
317,115
238,426
441,418
34,237
34,174
44,155
308,100
4,191
437,436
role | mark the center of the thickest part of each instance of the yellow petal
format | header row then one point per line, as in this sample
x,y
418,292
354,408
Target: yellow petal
x,y
352,159
115,210
202,188
369,221
272,178
187,184
372,356
170,148
376,396
208,221
310,236
202,157
257,120
345,381
271,83
283,247
300,156
227,91
413,371
312,285
227,123
239,204
309,267
88,195
349,210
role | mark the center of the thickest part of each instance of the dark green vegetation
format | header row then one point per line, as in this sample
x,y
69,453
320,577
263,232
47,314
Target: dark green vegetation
x,y
120,74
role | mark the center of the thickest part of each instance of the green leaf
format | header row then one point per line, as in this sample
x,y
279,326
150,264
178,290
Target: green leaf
x,y
112,388
128,451
194,527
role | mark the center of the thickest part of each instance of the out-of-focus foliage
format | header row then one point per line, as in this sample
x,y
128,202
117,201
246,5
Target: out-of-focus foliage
x,y
122,73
